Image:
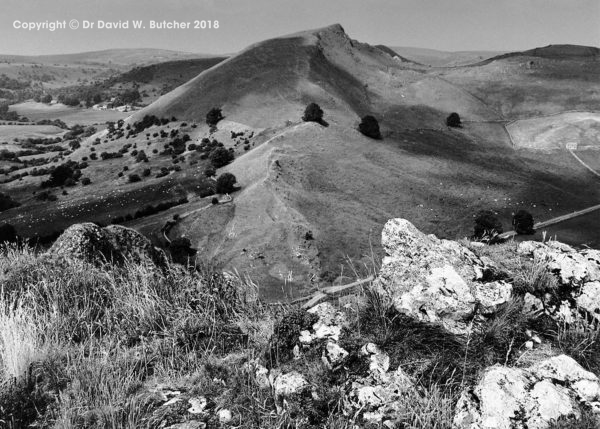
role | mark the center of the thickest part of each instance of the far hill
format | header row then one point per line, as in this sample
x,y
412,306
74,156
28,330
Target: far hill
x,y
555,52
115,57
436,58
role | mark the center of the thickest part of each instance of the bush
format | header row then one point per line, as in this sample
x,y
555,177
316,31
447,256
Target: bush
x,y
6,202
210,172
523,222
487,225
146,172
141,156
220,157
214,116
370,127
181,250
225,183
313,113
86,181
453,120
7,233
134,178
214,201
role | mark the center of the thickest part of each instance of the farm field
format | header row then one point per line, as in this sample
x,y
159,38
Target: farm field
x,y
581,129
70,115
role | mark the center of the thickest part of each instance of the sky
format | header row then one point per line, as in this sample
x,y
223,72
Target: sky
x,y
450,25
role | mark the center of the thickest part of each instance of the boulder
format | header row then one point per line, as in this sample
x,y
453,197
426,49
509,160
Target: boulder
x,y
328,326
289,384
578,273
534,398
437,281
115,243
379,394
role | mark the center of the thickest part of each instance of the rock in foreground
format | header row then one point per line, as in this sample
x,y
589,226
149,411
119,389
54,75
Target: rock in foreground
x,y
512,398
115,243
437,281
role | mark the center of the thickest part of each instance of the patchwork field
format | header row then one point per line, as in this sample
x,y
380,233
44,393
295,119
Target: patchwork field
x,y
70,115
577,130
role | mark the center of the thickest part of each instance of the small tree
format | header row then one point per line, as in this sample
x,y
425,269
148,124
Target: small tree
x,y
487,225
523,222
134,178
225,183
210,172
213,116
453,120
7,233
370,127
220,157
313,113
86,181
141,156
181,250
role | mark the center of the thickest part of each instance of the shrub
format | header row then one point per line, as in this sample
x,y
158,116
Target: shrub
x,y
453,120
523,222
146,172
487,225
134,178
86,181
313,113
6,202
370,127
220,157
225,183
7,233
181,250
141,156
214,201
210,172
213,116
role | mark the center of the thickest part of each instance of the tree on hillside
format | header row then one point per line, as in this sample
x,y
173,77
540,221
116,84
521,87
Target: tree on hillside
x,y
7,233
487,225
181,250
6,202
453,120
313,113
220,157
59,175
213,116
46,99
523,222
370,127
225,183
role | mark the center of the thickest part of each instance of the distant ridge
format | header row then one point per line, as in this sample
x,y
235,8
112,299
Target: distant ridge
x,y
395,54
120,56
557,52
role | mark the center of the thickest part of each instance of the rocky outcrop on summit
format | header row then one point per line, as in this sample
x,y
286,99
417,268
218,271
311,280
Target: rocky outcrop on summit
x,y
513,398
578,273
115,243
437,281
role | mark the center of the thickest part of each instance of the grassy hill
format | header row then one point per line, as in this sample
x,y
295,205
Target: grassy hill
x,y
310,194
436,58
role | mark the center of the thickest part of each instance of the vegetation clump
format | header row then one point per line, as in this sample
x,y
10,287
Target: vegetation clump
x,y
225,183
370,127
523,222
220,157
487,225
313,113
213,116
453,120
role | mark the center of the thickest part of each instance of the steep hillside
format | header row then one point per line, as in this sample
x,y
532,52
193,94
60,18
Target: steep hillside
x,y
309,193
